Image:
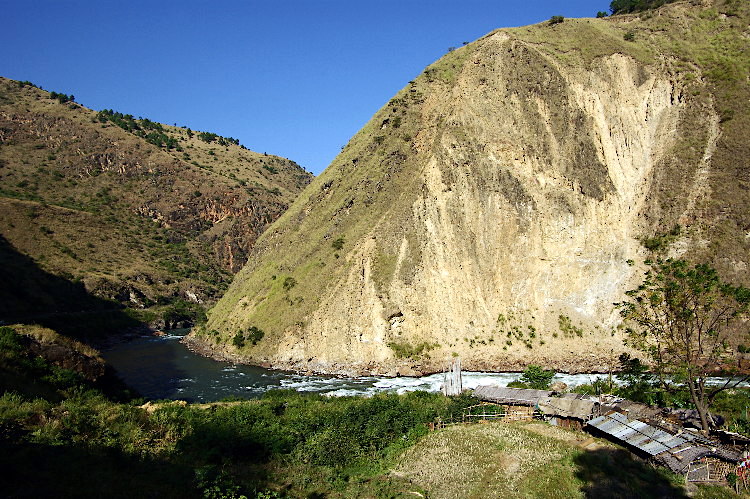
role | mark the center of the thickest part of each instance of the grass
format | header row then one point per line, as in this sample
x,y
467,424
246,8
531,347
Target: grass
x,y
63,437
528,460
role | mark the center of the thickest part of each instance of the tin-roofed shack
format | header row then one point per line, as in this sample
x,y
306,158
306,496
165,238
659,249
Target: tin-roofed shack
x,y
568,412
512,396
642,429
683,452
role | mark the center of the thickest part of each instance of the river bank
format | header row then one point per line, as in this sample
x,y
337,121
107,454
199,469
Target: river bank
x,y
163,367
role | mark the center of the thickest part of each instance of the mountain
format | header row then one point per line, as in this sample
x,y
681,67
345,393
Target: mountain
x,y
124,209
499,204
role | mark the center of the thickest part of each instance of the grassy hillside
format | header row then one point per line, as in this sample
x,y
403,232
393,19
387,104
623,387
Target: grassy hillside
x,y
138,212
517,175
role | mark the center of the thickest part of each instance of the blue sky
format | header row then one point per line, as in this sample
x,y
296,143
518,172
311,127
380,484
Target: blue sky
x,y
295,78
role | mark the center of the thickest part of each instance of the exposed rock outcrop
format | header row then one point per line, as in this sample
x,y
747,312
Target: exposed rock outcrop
x,y
494,209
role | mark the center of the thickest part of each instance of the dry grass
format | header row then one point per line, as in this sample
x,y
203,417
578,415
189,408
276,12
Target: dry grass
x,y
526,460
47,336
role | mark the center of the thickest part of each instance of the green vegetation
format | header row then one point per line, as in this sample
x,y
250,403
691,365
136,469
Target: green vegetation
x,y
405,350
662,241
152,132
567,328
627,6
86,226
210,137
183,312
253,335
62,437
446,69
528,460
338,243
537,377
534,377
289,283
683,318
556,20
62,98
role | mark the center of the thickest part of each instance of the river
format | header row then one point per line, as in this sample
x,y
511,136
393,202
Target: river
x,y
160,367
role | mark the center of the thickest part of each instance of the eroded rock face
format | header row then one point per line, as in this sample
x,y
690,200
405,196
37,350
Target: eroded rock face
x,y
503,233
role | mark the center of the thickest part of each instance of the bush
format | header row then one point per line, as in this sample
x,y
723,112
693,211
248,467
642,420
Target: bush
x,y
536,377
338,243
239,339
628,6
556,20
289,283
254,335
61,98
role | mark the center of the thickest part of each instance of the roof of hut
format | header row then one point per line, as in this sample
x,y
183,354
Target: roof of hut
x,y
567,407
676,451
505,395
639,434
679,458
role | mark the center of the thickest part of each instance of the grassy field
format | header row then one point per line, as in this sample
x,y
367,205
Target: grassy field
x,y
528,460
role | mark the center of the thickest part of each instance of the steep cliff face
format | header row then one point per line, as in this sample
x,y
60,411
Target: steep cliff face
x,y
494,209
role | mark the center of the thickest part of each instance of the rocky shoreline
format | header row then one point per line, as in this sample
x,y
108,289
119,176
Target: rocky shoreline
x,y
398,368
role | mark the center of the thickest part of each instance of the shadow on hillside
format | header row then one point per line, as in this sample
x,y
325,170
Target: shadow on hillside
x,y
614,473
31,295
33,470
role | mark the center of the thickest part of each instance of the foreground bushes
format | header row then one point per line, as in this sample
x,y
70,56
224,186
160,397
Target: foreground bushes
x,y
61,437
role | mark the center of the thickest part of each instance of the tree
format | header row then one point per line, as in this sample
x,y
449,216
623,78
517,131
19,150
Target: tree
x,y
536,377
684,318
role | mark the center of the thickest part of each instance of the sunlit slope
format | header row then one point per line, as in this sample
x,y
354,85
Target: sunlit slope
x,y
495,208
137,211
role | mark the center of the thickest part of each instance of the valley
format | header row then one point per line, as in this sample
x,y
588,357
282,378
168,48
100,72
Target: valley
x,y
557,212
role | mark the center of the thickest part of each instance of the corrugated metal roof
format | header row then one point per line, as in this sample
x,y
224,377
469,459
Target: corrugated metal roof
x,y
678,459
505,395
639,434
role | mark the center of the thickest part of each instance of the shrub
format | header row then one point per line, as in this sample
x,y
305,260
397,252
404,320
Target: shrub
x,y
556,20
407,350
254,334
567,327
338,243
61,98
289,283
627,6
601,14
629,36
238,340
536,377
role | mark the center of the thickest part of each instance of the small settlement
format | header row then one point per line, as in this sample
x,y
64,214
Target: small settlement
x,y
661,436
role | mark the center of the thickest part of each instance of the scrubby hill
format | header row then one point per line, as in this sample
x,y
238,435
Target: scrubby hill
x,y
499,204
136,211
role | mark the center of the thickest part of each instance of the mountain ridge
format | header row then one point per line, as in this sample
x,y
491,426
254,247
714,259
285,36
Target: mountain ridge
x,y
139,212
495,208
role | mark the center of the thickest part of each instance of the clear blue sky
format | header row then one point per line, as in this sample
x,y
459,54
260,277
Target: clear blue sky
x,y
295,78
